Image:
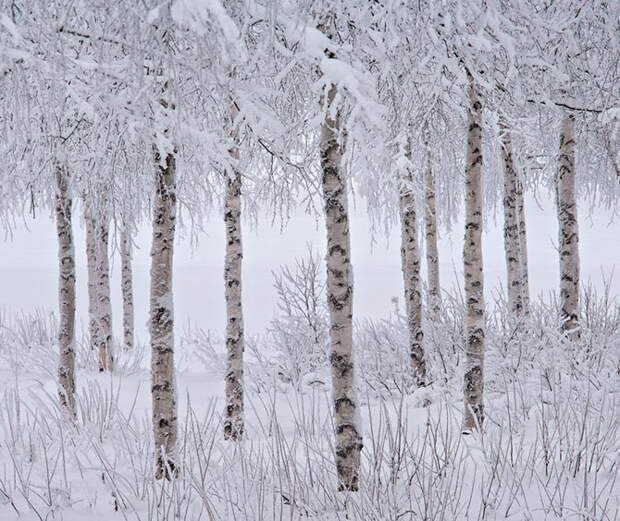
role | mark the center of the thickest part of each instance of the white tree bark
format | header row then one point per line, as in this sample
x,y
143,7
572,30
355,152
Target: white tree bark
x,y
66,292
512,242
432,251
340,298
568,230
525,280
473,385
104,303
127,288
233,425
91,262
162,319
410,259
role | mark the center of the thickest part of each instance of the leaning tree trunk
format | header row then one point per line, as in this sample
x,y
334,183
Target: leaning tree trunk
x,y
106,359
233,425
473,384
568,230
66,292
410,258
162,319
432,251
512,243
91,262
340,299
127,288
525,280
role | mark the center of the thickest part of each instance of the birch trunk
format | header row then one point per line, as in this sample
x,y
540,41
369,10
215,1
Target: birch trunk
x,y
473,385
233,425
162,319
432,251
66,292
127,288
340,299
568,230
91,262
512,243
106,359
525,280
410,258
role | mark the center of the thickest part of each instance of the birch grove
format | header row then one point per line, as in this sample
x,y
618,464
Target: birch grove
x,y
473,385
568,230
175,116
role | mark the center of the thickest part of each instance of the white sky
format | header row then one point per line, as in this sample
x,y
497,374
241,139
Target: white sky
x,y
28,276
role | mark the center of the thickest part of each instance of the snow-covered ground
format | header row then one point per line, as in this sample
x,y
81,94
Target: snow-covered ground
x,y
550,450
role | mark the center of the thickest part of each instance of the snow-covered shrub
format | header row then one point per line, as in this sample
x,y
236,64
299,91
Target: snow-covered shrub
x,y
297,339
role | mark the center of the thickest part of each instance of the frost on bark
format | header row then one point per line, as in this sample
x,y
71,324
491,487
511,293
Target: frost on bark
x,y
410,258
568,231
432,251
233,424
127,288
162,319
66,292
512,242
473,384
339,294
91,262
104,304
525,281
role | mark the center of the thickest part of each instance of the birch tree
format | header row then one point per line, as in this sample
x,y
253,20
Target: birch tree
x,y
66,291
162,317
513,207
473,385
410,260
91,263
104,304
233,425
568,231
126,250
430,226
339,281
524,267
163,390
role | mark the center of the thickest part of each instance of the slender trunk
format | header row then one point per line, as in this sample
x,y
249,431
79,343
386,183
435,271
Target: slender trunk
x,y
340,299
525,281
512,244
106,360
432,251
162,319
410,258
66,292
127,288
568,230
91,262
233,425
473,384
